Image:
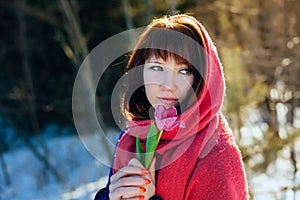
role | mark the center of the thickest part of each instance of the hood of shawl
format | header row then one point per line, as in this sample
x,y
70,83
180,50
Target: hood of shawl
x,y
204,109
202,117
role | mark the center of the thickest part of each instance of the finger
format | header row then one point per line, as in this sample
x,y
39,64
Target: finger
x,y
137,181
135,198
128,171
152,170
127,192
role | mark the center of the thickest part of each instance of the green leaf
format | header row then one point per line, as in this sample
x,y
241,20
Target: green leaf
x,y
148,159
152,130
139,149
158,136
151,144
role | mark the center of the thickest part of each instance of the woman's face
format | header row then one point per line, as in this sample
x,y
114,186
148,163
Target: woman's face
x,y
166,82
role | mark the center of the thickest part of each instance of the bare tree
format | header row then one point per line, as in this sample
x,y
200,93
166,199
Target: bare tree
x,y
75,47
31,104
172,6
149,9
74,44
3,163
128,18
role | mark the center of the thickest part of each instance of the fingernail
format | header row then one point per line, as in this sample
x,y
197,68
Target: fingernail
x,y
144,171
142,190
147,181
141,197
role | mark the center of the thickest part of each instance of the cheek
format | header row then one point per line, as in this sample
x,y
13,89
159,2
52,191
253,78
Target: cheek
x,y
150,88
152,78
151,91
185,83
147,77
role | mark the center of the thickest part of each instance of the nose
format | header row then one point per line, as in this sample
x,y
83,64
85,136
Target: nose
x,y
169,82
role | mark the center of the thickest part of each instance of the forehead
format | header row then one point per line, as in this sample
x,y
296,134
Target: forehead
x,y
159,55
155,59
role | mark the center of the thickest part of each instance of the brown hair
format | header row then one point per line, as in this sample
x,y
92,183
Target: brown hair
x,y
135,104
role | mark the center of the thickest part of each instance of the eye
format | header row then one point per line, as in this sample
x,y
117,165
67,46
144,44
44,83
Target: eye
x,y
156,68
185,71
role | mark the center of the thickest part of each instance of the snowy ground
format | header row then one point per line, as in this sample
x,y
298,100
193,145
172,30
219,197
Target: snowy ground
x,y
83,175
279,180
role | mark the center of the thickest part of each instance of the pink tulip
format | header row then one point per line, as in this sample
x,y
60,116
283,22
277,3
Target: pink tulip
x,y
166,119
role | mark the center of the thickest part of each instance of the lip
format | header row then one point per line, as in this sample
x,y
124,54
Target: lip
x,y
168,100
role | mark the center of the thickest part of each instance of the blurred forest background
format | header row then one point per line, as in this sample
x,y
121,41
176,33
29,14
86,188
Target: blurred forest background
x,y
43,43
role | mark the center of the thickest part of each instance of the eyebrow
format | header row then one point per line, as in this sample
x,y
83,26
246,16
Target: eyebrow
x,y
154,61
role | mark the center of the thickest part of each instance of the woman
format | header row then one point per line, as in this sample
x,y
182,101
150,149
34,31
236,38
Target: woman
x,y
175,64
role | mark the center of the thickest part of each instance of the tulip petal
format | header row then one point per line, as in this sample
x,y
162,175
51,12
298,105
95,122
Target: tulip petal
x,y
171,112
166,119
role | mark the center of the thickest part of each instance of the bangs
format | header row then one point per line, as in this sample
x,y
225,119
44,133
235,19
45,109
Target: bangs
x,y
165,55
163,43
167,47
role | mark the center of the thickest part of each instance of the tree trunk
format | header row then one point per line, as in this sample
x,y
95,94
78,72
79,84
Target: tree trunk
x,y
76,49
128,19
173,6
149,10
24,51
295,171
3,164
31,96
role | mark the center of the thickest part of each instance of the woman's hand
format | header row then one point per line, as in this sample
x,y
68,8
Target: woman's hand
x,y
133,182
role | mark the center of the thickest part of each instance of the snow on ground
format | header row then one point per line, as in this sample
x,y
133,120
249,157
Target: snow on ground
x,y
82,175
279,180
